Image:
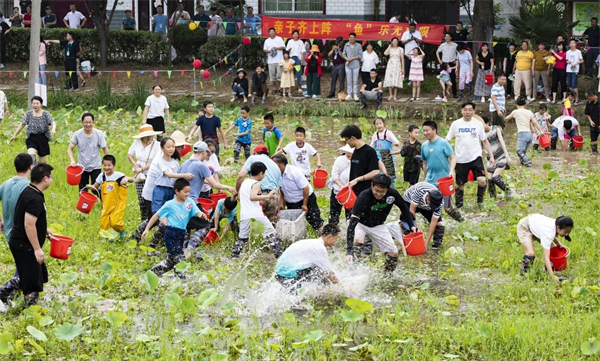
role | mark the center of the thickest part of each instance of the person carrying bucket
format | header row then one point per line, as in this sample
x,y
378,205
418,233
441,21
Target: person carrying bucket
x,y
384,141
426,199
175,215
339,178
368,219
564,128
300,152
592,110
307,261
544,230
113,187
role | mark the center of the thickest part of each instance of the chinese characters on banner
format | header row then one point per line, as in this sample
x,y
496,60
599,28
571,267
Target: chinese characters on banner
x,y
331,29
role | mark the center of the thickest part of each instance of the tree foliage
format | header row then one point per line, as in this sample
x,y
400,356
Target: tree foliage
x,y
540,23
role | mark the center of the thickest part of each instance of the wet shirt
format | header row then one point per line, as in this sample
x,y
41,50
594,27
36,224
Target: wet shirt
x,y
436,155
364,160
302,255
469,136
177,214
272,178
221,209
543,228
373,212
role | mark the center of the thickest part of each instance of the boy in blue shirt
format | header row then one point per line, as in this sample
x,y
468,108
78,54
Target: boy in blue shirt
x,y
226,208
175,214
243,140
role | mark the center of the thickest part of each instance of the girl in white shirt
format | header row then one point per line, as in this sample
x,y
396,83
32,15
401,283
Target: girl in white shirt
x,y
340,174
544,230
370,61
155,108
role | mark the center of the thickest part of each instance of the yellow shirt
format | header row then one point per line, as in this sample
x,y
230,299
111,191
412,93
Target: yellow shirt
x,y
540,60
524,59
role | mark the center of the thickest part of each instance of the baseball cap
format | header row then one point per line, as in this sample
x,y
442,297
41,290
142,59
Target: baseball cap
x,y
261,149
200,147
435,199
339,39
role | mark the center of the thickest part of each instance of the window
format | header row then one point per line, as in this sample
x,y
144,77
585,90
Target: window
x,y
292,6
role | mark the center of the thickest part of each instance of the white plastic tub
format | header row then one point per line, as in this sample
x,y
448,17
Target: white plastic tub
x,y
292,225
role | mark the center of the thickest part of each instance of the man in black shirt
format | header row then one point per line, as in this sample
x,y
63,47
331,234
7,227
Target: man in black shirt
x,y
368,219
29,233
72,50
4,28
459,35
593,42
201,17
338,70
592,110
372,89
364,164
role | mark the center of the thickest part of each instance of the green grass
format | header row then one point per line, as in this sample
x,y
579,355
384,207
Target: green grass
x,y
101,304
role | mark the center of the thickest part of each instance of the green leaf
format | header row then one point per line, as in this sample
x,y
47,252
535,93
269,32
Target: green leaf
x,y
173,299
37,347
547,166
425,286
205,331
143,338
92,298
314,335
68,278
150,280
484,330
208,297
67,332
228,306
591,347
452,300
299,344
102,280
138,111
590,231
45,321
358,305
451,356
6,345
358,347
107,268
116,318
131,244
109,235
579,291
183,266
194,103
381,114
219,357
37,334
188,306
351,315
583,161
553,174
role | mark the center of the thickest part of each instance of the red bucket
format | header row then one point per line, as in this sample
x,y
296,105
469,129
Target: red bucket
x,y
558,258
578,141
86,202
60,246
186,149
211,237
346,197
544,140
207,205
319,177
216,197
74,174
414,243
446,185
489,79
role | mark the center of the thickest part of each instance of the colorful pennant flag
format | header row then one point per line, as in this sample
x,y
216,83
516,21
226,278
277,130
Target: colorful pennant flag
x,y
214,83
297,67
225,60
285,40
114,73
311,41
380,43
128,74
10,74
142,71
24,75
201,85
239,25
155,73
494,43
89,74
169,73
220,80
324,41
182,72
56,74
42,73
70,74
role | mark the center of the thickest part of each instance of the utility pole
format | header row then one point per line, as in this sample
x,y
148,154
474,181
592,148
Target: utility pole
x,y
34,48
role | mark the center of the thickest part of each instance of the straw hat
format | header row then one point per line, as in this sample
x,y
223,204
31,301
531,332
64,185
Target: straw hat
x,y
347,149
314,48
179,139
146,130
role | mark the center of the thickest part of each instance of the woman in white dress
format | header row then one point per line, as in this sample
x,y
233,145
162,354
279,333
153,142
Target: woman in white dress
x,y
394,73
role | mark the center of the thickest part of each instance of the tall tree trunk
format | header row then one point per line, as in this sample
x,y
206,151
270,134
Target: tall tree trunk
x,y
34,48
483,28
102,21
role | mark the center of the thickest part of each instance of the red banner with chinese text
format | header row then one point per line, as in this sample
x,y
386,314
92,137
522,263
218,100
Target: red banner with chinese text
x,y
331,29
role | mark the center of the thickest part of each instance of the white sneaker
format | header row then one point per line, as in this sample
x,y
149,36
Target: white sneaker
x,y
315,96
348,97
356,98
1,65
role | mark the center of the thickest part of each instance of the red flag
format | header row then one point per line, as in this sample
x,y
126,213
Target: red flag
x,y
10,74
114,73
89,73
182,72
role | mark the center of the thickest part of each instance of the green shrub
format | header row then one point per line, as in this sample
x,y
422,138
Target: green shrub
x,y
218,47
139,47
187,42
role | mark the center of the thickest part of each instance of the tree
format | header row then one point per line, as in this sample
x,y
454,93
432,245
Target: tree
x,y
483,28
34,48
540,23
97,10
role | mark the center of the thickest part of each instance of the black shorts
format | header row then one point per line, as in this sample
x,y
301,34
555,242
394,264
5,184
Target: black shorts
x,y
594,133
427,214
40,143
412,177
157,123
463,169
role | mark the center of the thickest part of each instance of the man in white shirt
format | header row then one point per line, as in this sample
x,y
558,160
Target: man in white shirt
x,y
396,18
469,134
74,19
410,39
297,51
182,16
448,52
307,261
216,21
274,47
297,193
565,125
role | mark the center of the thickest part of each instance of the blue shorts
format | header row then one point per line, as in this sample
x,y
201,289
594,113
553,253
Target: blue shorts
x,y
160,196
572,80
174,238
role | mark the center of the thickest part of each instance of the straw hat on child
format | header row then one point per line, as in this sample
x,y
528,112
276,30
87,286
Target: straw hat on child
x,y
179,139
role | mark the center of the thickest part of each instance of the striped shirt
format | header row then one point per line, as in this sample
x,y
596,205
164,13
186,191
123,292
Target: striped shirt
x,y
500,94
416,195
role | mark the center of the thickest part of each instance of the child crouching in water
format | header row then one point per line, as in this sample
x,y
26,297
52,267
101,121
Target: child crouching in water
x,y
175,215
544,230
113,187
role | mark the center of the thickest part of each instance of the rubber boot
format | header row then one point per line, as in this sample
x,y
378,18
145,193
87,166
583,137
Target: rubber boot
x,y
480,194
34,159
460,96
594,148
491,188
236,155
454,213
497,180
31,299
469,98
238,246
390,263
526,263
164,266
553,142
536,146
459,195
438,237
525,161
275,244
367,247
9,289
159,235
137,234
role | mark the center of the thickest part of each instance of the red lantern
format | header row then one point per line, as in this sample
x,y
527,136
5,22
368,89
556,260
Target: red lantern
x,y
206,74
246,41
197,63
